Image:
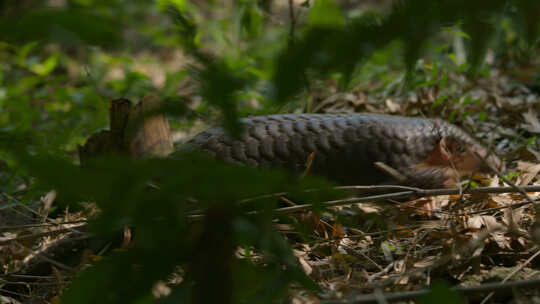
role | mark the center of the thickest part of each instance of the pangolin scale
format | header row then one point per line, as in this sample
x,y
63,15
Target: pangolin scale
x,y
349,148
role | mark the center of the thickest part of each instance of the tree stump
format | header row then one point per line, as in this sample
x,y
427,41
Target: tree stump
x,y
135,130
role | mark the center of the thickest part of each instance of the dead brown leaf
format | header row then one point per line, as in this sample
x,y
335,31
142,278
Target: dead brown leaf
x,y
532,124
529,172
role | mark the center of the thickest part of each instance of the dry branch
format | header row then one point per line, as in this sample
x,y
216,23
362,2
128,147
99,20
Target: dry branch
x,y
467,290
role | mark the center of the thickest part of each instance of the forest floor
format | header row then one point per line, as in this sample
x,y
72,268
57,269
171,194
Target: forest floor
x,y
466,240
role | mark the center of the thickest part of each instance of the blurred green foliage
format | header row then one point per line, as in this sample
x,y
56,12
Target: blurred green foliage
x,y
441,293
60,66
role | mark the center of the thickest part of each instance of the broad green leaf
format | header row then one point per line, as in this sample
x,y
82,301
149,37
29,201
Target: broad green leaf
x,y
441,293
326,13
22,55
66,26
85,2
482,116
252,20
453,57
462,34
439,101
180,5
47,66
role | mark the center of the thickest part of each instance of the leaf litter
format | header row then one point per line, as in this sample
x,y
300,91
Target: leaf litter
x,y
398,246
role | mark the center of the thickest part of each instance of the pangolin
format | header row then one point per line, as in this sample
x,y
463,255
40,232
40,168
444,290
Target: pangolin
x,y
353,149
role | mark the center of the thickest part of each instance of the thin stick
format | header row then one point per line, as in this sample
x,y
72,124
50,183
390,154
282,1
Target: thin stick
x,y
2,290
390,171
513,206
403,194
420,191
360,255
512,274
49,260
31,283
372,188
38,235
309,163
506,180
15,227
28,276
394,296
293,21
417,193
292,29
43,217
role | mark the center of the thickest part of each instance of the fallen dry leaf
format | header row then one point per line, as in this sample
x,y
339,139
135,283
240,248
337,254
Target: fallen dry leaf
x,y
475,222
532,124
529,172
393,106
305,266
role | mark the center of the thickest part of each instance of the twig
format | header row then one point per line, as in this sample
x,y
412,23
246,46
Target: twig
x,y
417,193
28,276
506,180
470,246
513,206
403,194
394,296
360,255
292,17
43,217
292,29
419,208
512,274
49,260
281,194
369,188
336,238
37,235
382,272
420,191
16,227
14,293
390,171
286,210
309,163
31,283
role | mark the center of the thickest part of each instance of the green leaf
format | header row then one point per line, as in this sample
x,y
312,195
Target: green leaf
x,y
510,176
180,5
452,116
453,57
252,20
441,293
438,101
305,4
444,80
462,67
47,66
462,34
467,100
441,48
24,51
482,116
326,13
67,26
434,70
84,2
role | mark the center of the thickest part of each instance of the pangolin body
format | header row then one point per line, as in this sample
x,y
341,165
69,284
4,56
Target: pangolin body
x,y
350,148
